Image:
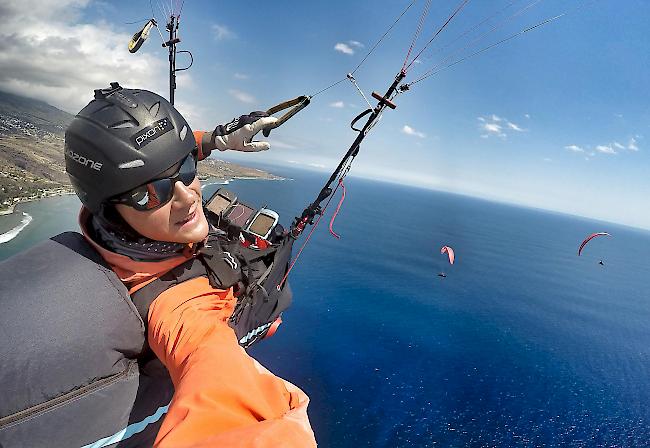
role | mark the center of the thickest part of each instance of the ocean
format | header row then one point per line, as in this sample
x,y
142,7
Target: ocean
x,y
522,344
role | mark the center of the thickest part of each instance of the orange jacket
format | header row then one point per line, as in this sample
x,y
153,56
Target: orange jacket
x,y
222,397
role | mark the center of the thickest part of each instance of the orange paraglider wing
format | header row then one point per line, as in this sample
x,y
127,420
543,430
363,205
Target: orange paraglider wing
x,y
450,253
589,238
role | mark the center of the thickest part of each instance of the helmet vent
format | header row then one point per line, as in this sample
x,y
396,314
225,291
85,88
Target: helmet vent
x,y
103,108
122,124
132,164
183,132
153,110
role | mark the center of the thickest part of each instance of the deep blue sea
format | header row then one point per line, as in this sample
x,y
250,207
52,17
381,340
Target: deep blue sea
x,y
523,344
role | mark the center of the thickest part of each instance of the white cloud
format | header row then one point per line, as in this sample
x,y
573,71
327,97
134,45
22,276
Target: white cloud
x,y
304,163
280,144
240,76
198,117
611,148
356,43
605,149
242,96
338,104
548,160
527,115
492,129
515,127
343,48
574,148
494,125
632,145
48,52
222,32
408,130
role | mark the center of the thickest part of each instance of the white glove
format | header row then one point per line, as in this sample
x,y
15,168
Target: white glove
x,y
238,134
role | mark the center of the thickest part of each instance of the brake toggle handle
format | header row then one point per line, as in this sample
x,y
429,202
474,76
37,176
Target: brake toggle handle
x,y
296,105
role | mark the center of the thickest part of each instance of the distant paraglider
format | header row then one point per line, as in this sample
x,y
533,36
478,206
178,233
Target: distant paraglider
x,y
589,238
450,253
451,256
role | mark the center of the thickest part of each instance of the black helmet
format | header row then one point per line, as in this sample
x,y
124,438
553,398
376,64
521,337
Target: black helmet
x,y
121,140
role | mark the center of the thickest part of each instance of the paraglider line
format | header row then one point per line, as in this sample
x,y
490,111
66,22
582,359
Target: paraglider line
x,y
338,208
461,6
481,36
137,21
425,12
471,29
327,88
293,262
438,70
354,82
382,37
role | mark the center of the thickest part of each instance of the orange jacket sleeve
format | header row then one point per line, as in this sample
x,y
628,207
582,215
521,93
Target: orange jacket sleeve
x,y
222,397
198,137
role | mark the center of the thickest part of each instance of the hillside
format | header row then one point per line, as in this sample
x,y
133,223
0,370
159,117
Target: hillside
x,y
31,152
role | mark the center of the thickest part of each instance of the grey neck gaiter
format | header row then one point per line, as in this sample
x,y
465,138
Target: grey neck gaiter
x,y
113,233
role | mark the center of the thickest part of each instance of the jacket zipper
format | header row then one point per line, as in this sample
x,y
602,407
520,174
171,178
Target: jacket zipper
x,y
42,408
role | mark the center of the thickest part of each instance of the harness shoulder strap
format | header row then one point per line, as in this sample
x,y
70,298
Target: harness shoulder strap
x,y
144,297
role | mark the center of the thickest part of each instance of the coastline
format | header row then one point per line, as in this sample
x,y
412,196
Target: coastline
x,y
10,209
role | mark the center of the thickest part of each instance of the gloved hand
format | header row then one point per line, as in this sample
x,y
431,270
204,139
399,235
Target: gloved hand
x,y
238,134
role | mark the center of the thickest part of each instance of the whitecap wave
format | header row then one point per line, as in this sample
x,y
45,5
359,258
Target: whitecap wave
x,y
13,233
222,182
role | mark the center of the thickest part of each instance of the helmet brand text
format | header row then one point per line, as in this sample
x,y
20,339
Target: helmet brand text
x,y
150,133
97,166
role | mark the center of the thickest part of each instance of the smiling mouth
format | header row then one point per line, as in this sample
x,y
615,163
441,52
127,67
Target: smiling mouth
x,y
188,218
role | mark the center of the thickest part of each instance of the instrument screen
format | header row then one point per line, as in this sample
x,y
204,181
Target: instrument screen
x,y
262,224
218,204
239,214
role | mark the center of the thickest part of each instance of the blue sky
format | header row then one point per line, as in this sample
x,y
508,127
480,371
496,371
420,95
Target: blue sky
x,y
557,118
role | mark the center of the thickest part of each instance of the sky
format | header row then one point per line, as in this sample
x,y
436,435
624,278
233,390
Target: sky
x,y
557,118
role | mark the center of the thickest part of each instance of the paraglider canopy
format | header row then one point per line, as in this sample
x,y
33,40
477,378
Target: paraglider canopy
x,y
589,238
450,253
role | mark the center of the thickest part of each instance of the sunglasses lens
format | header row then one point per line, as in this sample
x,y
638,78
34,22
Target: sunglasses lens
x,y
160,191
151,195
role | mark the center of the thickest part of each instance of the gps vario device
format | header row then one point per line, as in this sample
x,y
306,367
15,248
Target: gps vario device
x,y
262,223
237,218
220,201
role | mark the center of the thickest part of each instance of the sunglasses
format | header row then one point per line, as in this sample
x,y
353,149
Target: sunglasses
x,y
158,192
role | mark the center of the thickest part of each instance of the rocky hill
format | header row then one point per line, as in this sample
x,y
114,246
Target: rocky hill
x,y
31,152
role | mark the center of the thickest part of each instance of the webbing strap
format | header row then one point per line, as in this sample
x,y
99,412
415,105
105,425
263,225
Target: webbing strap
x,y
144,297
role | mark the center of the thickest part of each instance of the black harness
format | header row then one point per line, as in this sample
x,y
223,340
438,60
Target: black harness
x,y
255,276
